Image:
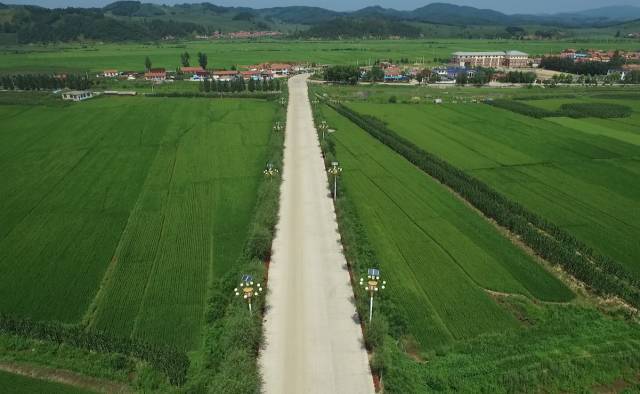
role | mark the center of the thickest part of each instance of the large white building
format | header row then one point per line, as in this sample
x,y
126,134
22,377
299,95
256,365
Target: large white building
x,y
512,59
77,95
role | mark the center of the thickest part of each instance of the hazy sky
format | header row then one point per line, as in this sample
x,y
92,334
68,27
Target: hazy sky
x,y
507,6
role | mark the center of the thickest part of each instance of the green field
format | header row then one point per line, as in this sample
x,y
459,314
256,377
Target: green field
x,y
580,174
17,384
146,199
439,255
98,57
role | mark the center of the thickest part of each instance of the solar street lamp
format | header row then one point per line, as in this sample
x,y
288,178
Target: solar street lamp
x,y
323,126
335,171
270,171
372,285
279,126
248,290
283,101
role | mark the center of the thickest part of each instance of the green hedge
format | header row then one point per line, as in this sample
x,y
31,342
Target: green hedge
x,y
595,110
604,275
572,110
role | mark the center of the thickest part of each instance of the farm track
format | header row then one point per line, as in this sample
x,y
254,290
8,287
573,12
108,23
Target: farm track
x,y
313,339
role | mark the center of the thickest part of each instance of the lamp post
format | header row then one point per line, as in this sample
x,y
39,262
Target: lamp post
x,y
279,126
372,285
248,290
270,171
335,171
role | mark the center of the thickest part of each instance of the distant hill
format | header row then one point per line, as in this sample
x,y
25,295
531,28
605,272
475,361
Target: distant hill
x,y
459,15
620,12
129,20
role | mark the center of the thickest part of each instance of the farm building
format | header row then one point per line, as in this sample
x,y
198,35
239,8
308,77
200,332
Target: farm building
x,y
110,73
514,59
77,95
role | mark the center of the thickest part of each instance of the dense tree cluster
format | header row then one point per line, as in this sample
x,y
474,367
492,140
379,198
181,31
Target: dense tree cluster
x,y
519,77
172,362
342,74
567,65
602,274
45,82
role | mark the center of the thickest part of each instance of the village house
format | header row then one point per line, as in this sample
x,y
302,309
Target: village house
x,y
77,95
193,70
224,75
394,74
110,73
156,75
280,70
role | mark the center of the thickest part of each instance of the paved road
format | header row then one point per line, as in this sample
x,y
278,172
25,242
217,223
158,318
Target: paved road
x,y
313,338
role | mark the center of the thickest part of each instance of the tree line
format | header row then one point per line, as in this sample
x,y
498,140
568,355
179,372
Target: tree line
x,y
171,361
601,273
239,85
45,82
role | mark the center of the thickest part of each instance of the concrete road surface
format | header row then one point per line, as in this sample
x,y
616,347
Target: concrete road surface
x,y
313,338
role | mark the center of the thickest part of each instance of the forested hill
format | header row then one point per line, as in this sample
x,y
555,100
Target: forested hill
x,y
138,21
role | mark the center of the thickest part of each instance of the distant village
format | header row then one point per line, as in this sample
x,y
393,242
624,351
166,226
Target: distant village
x,y
467,67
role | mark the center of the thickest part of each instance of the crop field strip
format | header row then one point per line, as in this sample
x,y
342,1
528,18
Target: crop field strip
x,y
165,198
556,171
438,252
226,53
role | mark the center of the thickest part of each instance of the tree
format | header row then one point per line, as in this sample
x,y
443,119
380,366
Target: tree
x,y
147,63
462,78
376,74
423,75
203,60
184,59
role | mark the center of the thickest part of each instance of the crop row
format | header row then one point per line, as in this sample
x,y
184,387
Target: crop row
x,y
169,360
603,274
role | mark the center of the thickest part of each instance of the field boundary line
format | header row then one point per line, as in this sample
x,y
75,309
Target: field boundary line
x,y
64,376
